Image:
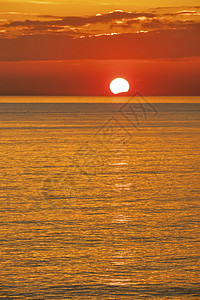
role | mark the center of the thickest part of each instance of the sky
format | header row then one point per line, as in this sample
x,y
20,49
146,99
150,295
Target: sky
x,y
61,48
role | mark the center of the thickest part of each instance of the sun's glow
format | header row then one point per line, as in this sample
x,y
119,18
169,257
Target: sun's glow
x,y
119,85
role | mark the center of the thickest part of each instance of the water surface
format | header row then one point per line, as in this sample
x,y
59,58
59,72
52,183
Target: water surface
x,y
99,201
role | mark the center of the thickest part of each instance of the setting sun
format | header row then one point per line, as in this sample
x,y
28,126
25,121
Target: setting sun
x,y
119,85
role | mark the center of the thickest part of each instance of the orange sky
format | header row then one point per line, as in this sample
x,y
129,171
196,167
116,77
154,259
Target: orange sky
x,y
87,41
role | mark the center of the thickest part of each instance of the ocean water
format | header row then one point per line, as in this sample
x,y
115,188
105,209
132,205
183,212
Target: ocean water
x,y
99,200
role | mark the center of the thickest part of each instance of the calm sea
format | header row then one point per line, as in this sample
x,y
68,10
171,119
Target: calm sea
x,y
99,200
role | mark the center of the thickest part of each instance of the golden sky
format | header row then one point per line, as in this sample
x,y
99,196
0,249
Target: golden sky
x,y
85,7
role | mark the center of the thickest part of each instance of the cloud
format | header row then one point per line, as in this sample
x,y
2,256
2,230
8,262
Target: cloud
x,y
28,14
154,44
41,2
168,24
175,7
115,19
117,34
187,12
81,21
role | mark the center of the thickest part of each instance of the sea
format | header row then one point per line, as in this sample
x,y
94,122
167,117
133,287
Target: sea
x,y
99,198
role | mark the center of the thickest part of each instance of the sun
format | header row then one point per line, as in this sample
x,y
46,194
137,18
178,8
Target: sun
x,y
119,85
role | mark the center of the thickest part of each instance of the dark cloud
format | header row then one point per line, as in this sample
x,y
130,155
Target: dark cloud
x,y
23,23
157,23
49,16
167,24
49,28
169,43
81,21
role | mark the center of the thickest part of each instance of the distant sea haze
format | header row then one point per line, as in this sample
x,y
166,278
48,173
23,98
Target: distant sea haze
x,y
94,99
